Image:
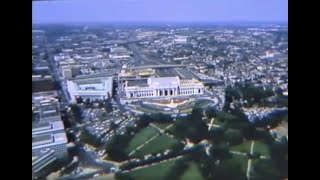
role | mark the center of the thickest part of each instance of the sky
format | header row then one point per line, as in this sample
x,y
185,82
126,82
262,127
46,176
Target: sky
x,y
63,11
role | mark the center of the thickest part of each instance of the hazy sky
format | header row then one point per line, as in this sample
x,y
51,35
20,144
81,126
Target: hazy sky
x,y
159,10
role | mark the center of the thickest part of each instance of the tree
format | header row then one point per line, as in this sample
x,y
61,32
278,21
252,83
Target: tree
x,y
161,118
191,127
178,169
87,103
79,100
116,147
211,113
113,125
33,116
220,151
101,105
77,113
266,170
233,136
279,154
228,170
89,139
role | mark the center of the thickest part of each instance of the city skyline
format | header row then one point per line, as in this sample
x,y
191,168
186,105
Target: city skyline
x,y
180,11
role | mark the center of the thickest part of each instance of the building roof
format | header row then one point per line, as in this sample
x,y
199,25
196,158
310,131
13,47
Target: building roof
x,y
47,140
47,127
140,83
39,96
164,81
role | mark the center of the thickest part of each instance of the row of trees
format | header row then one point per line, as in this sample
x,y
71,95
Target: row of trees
x,y
87,138
212,167
101,103
253,95
236,128
77,113
191,127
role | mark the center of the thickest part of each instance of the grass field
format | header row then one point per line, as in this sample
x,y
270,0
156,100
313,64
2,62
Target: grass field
x,y
241,161
243,147
105,177
160,144
261,148
192,173
155,172
161,125
141,137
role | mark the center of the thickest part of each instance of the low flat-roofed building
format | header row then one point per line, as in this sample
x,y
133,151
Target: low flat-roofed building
x,y
53,141
66,72
93,88
48,95
40,163
47,127
40,84
49,110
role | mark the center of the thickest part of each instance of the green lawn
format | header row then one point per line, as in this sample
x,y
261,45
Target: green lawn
x,y
161,125
105,177
241,161
243,147
261,148
141,137
219,123
202,103
192,173
160,144
155,172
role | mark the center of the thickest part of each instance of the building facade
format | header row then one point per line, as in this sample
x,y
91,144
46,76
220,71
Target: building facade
x,y
53,141
40,163
156,87
47,127
93,89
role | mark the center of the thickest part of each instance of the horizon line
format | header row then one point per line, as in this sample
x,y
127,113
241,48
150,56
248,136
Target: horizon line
x,y
170,22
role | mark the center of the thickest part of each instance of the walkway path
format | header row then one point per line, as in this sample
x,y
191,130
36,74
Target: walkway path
x,y
152,138
250,161
139,147
211,123
153,164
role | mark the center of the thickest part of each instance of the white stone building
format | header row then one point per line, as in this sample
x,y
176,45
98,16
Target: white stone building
x,y
156,87
93,88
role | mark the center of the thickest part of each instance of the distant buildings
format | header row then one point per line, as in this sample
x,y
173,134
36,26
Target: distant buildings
x,y
93,88
181,39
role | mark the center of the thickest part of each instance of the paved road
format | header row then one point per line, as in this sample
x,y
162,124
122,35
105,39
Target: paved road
x,y
152,160
87,159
